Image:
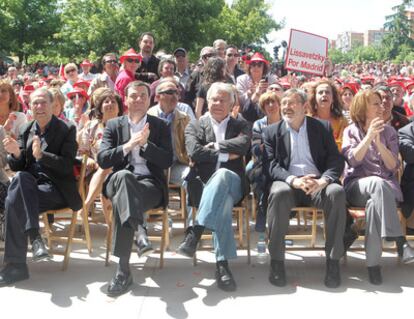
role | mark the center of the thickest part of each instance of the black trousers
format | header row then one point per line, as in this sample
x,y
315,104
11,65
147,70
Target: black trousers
x,y
131,197
27,197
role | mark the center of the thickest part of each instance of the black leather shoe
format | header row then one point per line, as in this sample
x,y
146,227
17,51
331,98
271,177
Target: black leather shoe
x,y
119,285
277,275
39,249
332,276
350,236
374,274
224,278
144,246
188,246
12,273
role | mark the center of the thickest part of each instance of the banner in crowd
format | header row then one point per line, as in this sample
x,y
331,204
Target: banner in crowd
x,y
306,53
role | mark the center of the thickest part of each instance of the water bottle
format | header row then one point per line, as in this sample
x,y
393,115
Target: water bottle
x,y
261,249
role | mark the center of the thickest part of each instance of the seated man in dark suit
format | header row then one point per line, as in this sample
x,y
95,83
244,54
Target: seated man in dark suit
x,y
138,148
216,146
43,158
406,145
305,165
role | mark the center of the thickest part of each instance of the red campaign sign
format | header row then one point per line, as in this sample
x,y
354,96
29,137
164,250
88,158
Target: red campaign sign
x,y
307,52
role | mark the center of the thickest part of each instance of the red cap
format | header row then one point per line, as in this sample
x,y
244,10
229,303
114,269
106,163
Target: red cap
x,y
257,57
367,80
353,86
396,83
81,82
130,54
76,91
86,63
285,83
28,88
409,86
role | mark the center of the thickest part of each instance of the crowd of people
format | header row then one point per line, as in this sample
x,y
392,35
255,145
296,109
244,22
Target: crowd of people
x,y
223,127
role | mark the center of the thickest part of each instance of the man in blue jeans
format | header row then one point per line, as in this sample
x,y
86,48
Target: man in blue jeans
x,y
216,145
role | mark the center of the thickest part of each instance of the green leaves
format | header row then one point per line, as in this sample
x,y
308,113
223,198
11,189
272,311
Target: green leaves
x,y
67,30
399,29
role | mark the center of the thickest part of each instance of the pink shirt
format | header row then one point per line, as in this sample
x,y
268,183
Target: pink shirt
x,y
121,82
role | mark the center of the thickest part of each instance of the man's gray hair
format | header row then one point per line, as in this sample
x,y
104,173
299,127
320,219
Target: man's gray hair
x,y
222,87
299,92
44,91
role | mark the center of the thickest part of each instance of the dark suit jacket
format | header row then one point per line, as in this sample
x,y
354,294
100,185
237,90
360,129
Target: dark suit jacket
x,y
158,153
324,151
237,141
406,137
59,152
150,66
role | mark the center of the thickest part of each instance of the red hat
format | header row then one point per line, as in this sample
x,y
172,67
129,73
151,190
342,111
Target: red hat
x,y
86,63
130,54
28,88
367,80
353,86
76,91
285,83
81,82
396,83
409,86
257,57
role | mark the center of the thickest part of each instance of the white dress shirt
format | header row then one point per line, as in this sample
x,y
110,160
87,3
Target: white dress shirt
x,y
301,161
220,134
137,161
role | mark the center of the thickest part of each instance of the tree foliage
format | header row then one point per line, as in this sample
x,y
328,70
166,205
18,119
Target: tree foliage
x,y
244,22
27,26
75,29
399,28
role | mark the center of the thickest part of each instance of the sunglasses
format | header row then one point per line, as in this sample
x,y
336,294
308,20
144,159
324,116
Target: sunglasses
x,y
230,55
110,61
129,60
70,71
256,64
78,96
208,55
169,92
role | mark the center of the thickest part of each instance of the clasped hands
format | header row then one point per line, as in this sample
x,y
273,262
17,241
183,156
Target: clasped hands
x,y
309,184
375,128
12,147
138,139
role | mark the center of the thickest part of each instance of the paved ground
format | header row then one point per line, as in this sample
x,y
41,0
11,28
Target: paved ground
x,y
180,290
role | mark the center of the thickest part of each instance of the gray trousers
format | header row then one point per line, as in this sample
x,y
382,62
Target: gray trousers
x,y
283,198
131,197
376,195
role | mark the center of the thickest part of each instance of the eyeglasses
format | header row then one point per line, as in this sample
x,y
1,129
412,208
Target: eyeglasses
x,y
78,96
230,55
110,61
256,64
208,55
129,60
70,71
169,92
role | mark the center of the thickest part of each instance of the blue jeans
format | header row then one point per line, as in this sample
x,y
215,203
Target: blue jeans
x,y
222,191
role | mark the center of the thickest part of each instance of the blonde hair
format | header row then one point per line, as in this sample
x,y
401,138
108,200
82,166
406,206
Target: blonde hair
x,y
267,97
359,104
